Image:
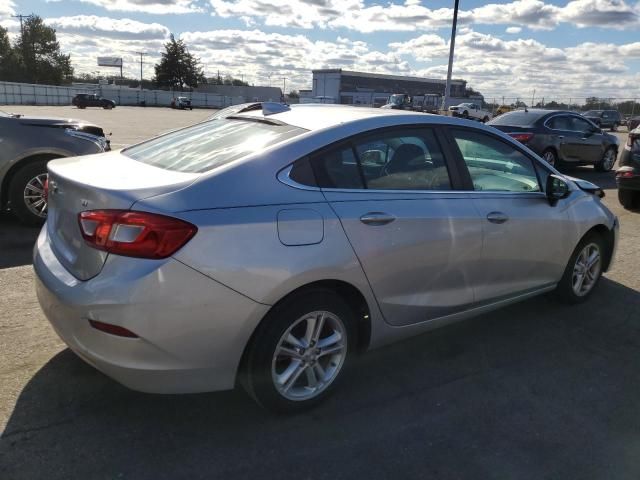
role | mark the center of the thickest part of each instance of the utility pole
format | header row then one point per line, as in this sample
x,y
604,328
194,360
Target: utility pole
x,y
447,88
533,98
21,17
142,54
284,86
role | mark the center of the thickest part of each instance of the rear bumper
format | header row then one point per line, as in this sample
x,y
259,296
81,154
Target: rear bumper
x,y
192,330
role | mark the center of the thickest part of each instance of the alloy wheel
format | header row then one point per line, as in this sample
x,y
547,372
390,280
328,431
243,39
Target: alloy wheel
x,y
586,270
609,159
309,356
549,157
35,197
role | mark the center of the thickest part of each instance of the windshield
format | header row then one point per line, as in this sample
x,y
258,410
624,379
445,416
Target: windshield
x,y
396,99
593,113
519,118
210,144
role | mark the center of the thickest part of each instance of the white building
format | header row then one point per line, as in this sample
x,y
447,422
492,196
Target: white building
x,y
359,88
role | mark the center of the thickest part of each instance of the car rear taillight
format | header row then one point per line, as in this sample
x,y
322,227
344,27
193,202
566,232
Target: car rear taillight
x,y
522,137
134,234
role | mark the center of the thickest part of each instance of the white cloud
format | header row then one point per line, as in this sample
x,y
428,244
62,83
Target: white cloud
x,y
7,8
105,27
157,7
513,29
413,16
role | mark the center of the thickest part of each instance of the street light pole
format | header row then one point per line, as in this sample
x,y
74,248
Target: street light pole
x,y
447,88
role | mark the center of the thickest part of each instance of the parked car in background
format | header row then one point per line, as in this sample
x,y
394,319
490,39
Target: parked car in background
x,y
605,118
181,103
633,123
562,138
471,110
84,100
628,173
26,145
186,277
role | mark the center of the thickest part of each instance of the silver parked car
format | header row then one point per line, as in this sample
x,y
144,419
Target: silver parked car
x,y
270,249
26,145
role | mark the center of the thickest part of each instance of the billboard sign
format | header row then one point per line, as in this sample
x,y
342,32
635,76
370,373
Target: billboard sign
x,y
110,62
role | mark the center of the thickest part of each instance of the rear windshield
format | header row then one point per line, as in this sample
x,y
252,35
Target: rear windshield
x,y
517,118
593,113
210,144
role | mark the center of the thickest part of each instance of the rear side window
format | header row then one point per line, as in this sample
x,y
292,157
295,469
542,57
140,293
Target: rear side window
x,y
495,165
560,122
210,144
399,160
519,118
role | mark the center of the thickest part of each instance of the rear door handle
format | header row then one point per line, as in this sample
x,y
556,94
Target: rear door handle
x,y
376,218
497,217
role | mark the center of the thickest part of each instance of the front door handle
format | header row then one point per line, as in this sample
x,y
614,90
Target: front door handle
x,y
377,218
497,217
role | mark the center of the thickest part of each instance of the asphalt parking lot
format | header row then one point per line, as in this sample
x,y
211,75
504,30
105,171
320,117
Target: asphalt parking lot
x,y
534,391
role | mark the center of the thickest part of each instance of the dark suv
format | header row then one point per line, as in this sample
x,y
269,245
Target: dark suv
x,y
84,100
561,138
605,118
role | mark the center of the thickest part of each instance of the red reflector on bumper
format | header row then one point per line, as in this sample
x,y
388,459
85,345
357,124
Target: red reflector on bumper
x,y
112,329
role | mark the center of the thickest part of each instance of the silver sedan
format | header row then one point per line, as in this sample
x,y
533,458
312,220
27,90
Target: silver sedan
x,y
271,246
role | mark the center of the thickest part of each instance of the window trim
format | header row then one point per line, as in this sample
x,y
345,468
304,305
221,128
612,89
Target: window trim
x,y
459,158
455,177
567,115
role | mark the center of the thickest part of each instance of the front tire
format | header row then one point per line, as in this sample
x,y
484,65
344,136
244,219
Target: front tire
x,y
465,114
583,271
26,193
299,351
608,160
629,199
485,119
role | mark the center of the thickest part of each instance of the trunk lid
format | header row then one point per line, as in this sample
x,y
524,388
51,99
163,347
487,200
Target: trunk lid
x,y
96,182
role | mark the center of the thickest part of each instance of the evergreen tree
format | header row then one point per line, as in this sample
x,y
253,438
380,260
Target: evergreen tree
x,y
178,69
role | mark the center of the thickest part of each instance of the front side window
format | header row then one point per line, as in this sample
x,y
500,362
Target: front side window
x,y
400,160
495,165
210,144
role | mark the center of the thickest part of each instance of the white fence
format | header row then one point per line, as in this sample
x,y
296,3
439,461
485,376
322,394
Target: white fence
x,y
30,94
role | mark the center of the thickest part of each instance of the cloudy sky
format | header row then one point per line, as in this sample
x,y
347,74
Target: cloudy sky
x,y
573,48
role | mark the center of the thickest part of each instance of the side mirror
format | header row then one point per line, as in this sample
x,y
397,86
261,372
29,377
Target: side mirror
x,y
557,188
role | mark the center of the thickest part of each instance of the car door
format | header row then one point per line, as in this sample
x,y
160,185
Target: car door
x,y
418,240
569,141
590,137
524,237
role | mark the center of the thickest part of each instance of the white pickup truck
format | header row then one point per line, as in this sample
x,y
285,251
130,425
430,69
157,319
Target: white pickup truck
x,y
471,110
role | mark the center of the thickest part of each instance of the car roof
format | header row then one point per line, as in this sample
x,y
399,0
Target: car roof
x,y
320,116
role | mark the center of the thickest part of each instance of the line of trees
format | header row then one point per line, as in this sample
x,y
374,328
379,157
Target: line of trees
x,y
35,57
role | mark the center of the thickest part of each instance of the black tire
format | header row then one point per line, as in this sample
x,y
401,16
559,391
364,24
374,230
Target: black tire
x,y
603,165
256,372
82,107
485,119
17,185
465,114
629,199
614,127
565,291
107,106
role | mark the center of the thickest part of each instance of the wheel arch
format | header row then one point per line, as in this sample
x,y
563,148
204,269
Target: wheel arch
x,y
6,181
608,236
351,295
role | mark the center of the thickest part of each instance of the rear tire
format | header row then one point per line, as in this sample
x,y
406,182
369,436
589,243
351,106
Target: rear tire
x,y
583,271
286,330
629,199
23,184
614,127
550,157
608,160
465,114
